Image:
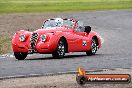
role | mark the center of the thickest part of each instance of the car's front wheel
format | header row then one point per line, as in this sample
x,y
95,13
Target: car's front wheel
x,y
60,50
20,55
94,47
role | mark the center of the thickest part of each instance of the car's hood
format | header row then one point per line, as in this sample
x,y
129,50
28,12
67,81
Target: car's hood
x,y
52,30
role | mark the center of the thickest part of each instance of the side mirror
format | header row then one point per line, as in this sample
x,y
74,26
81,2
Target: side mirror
x,y
87,29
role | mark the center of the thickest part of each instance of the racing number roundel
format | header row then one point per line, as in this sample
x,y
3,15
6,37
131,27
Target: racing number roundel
x,y
84,43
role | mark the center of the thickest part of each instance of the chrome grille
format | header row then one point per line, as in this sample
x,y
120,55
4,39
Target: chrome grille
x,y
33,40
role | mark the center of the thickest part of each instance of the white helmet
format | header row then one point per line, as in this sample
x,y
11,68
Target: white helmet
x,y
59,21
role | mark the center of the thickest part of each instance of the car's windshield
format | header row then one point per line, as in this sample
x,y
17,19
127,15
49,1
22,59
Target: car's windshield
x,y
58,22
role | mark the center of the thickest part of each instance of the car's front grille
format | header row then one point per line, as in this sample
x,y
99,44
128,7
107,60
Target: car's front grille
x,y
33,40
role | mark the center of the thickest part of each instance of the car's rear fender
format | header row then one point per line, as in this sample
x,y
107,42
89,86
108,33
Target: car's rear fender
x,y
93,34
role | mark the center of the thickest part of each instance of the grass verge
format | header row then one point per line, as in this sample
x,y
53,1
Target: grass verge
x,y
5,45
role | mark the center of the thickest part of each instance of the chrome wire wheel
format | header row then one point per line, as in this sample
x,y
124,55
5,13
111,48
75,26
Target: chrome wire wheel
x,y
60,50
94,47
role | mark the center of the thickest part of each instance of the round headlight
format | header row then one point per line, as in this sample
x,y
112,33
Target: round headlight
x,y
22,38
43,38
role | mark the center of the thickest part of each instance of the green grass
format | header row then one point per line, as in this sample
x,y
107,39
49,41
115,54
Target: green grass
x,y
5,45
13,6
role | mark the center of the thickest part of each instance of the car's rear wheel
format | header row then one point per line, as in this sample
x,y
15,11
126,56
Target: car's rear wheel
x,y
60,50
94,47
20,55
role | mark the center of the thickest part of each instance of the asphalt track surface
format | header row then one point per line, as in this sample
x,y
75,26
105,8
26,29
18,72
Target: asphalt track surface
x,y
115,27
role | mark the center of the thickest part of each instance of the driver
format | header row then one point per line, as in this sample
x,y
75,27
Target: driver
x,y
59,22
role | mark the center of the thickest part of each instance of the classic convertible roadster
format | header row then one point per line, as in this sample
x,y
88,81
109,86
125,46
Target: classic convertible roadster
x,y
57,37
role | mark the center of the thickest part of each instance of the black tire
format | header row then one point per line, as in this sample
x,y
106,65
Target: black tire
x,y
60,50
81,80
94,47
20,55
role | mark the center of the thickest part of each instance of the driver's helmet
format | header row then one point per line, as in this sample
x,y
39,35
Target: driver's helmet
x,y
59,21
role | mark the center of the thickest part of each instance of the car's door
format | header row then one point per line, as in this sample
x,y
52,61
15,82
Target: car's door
x,y
82,40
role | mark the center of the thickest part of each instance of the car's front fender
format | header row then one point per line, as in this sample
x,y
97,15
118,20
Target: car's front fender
x,y
17,45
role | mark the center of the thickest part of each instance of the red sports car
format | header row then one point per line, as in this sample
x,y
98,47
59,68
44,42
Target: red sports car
x,y
57,37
